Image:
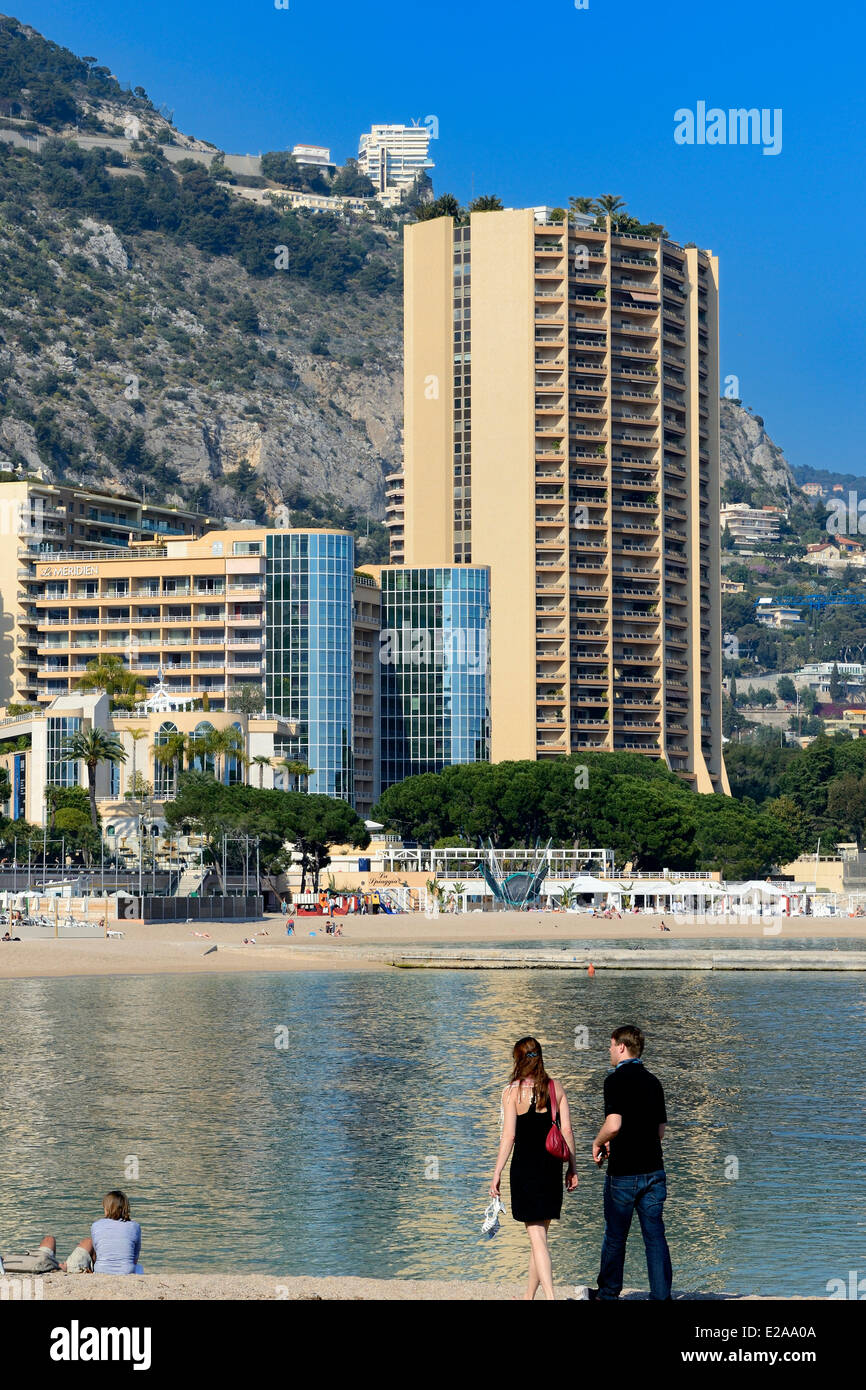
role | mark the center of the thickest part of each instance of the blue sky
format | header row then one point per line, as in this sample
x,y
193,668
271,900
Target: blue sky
x,y
536,101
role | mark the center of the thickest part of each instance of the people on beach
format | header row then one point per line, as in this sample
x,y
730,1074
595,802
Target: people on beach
x,y
115,1240
113,1246
630,1139
536,1175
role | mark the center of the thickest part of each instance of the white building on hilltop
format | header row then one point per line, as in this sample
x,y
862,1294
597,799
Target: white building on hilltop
x,y
751,525
316,156
393,156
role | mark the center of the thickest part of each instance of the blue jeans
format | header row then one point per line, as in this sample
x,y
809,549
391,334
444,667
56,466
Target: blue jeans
x,y
645,1193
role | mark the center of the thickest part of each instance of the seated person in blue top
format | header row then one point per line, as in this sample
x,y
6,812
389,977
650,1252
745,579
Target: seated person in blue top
x,y
114,1244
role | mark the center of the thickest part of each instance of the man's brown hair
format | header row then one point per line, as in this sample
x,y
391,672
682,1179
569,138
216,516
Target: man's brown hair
x,y
631,1037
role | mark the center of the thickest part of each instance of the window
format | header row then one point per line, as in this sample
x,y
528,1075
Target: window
x,y
203,761
165,774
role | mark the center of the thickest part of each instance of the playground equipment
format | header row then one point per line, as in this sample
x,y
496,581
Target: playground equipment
x,y
520,887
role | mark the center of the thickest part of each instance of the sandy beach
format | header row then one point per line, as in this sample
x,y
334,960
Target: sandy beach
x,y
268,1288
173,948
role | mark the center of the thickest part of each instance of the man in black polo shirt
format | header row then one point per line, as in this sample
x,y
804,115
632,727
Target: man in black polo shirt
x,y
635,1119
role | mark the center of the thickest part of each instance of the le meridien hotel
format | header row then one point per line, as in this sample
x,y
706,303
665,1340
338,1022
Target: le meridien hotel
x,y
562,432
200,618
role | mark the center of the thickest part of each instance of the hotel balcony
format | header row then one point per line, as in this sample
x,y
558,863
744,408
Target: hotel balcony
x,y
234,664
586,364
244,588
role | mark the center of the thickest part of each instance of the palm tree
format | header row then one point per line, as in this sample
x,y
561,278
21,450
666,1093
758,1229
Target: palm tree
x,y
437,893
195,746
51,794
608,205
487,202
169,753
223,744
444,206
92,747
109,673
135,735
261,762
297,770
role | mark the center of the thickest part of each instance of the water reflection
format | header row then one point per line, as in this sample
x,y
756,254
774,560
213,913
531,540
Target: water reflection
x,y
312,1159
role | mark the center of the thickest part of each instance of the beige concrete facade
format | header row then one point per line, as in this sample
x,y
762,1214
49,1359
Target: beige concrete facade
x,y
429,391
573,447
193,609
40,519
495,453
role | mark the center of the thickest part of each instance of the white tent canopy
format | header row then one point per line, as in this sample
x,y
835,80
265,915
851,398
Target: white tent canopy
x,y
758,888
643,887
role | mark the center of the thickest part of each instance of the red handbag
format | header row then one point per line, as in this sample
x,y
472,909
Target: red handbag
x,y
555,1142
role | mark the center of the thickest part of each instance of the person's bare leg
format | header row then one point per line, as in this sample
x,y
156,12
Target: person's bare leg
x,y
533,1281
538,1236
49,1243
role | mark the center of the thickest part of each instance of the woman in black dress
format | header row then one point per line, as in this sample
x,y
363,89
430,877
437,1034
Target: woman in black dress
x,y
536,1176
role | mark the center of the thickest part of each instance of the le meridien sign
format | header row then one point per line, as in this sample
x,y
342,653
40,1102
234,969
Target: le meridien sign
x,y
65,571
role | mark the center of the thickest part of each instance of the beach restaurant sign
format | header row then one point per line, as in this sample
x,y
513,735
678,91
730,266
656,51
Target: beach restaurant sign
x,y
386,880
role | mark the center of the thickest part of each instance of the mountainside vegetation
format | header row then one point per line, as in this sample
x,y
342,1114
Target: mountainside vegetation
x,y
48,85
165,329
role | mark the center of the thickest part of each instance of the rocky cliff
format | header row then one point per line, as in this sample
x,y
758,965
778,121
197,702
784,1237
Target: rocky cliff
x,y
749,456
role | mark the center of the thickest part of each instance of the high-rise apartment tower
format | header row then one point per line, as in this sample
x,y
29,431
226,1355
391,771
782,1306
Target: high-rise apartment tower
x,y
562,429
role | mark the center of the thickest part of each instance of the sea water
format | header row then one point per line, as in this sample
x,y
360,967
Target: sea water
x,y
347,1123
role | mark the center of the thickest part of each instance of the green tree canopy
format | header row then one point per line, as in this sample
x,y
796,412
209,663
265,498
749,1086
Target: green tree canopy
x,y
310,822
634,805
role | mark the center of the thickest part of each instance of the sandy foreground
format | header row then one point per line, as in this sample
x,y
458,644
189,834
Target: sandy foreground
x,y
266,1288
174,948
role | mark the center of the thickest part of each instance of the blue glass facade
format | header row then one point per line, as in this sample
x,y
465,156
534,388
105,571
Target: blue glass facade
x,y
434,660
60,771
308,665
